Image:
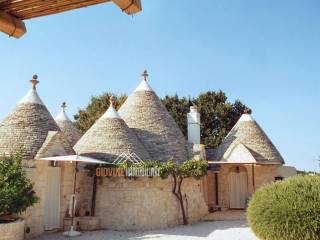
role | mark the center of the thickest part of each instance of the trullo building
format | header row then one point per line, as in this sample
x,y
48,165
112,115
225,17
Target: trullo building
x,y
142,130
245,160
31,130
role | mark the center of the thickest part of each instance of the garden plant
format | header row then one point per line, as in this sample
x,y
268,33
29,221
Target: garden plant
x,y
287,210
16,190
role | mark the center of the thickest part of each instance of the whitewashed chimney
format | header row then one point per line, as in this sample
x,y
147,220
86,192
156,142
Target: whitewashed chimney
x,y
193,125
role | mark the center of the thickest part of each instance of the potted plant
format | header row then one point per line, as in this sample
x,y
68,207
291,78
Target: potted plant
x,y
16,195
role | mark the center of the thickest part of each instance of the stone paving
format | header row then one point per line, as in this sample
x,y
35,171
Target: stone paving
x,y
226,215
218,230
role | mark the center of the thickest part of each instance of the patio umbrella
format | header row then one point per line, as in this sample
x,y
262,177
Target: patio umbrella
x,y
73,158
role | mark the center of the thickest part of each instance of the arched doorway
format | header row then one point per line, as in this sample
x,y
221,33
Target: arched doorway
x,y
238,187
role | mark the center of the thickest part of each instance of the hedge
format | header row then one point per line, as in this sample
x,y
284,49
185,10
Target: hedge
x,y
287,210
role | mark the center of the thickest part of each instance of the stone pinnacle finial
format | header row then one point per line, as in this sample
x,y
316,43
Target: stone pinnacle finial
x,y
247,111
145,75
63,106
111,101
34,81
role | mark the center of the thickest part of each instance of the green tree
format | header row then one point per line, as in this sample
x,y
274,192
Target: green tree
x,y
85,118
178,108
217,115
191,168
16,191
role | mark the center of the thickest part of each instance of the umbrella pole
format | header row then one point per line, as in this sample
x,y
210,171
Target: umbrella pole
x,y
72,232
74,194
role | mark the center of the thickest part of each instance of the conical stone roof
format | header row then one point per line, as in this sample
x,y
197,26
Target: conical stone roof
x,y
248,133
109,137
26,127
155,127
67,126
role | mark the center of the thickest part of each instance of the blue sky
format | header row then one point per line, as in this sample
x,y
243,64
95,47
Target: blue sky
x,y
266,53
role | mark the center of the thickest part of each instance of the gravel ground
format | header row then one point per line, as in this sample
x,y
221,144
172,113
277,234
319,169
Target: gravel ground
x,y
219,230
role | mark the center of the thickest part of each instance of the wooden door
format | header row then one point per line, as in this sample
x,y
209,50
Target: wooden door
x,y
238,189
52,208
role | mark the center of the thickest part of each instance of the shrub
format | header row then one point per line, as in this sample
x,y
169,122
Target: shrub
x,y
16,193
287,210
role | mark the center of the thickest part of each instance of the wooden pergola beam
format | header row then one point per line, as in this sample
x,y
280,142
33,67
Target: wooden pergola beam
x,y
11,25
129,6
13,12
54,8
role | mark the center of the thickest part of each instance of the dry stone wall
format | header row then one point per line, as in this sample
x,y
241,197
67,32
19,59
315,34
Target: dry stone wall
x,y
146,203
12,231
34,216
144,112
26,129
37,173
84,190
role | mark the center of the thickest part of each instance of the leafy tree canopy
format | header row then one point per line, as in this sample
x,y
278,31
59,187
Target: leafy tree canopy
x,y
16,191
218,115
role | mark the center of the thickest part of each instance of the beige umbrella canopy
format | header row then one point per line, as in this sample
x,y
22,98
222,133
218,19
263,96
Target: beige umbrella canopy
x,y
67,126
156,129
109,137
26,127
248,133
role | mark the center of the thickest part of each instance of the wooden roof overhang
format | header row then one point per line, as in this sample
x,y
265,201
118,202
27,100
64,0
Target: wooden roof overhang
x,y
13,12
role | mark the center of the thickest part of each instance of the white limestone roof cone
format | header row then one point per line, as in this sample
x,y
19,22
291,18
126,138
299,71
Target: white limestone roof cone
x,y
144,112
62,116
249,133
26,127
109,137
111,112
72,133
32,96
144,85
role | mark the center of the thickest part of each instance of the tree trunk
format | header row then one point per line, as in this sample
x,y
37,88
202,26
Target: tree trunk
x,y
183,211
176,190
94,193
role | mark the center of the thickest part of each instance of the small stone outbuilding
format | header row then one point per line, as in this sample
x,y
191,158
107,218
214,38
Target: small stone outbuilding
x,y
245,161
31,130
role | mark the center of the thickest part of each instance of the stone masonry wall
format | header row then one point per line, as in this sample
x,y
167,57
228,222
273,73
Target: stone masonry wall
x,y
66,189
146,203
84,190
12,231
34,216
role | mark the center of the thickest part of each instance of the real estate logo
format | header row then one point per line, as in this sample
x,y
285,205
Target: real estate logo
x,y
127,172
132,171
